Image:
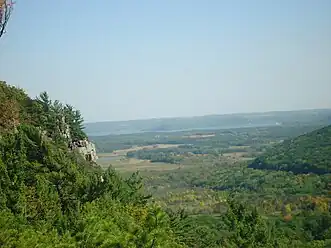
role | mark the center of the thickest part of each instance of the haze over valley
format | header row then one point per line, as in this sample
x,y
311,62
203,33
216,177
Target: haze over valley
x,y
211,122
165,124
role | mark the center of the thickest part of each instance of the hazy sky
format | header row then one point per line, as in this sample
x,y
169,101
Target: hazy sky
x,y
118,60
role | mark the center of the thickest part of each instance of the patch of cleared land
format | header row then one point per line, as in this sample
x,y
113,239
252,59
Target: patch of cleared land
x,y
120,162
199,136
132,164
239,147
136,148
237,155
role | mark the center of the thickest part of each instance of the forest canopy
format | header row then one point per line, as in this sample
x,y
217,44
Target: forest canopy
x,y
50,196
308,153
53,197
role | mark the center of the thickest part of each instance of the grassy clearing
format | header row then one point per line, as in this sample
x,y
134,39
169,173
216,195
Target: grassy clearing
x,y
123,152
121,163
119,160
237,155
132,165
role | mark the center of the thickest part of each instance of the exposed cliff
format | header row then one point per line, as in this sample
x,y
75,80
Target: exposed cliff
x,y
86,148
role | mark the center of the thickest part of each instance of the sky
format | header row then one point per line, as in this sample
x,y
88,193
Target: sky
x,y
126,59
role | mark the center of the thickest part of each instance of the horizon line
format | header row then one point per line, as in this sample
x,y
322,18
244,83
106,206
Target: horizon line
x,y
206,115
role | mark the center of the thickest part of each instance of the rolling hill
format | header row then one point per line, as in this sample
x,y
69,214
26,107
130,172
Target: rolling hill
x,y
308,153
277,118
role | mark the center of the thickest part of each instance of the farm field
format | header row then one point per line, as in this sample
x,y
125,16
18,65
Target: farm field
x,y
197,172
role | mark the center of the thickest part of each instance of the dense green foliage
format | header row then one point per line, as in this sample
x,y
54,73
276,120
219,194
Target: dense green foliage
x,y
292,209
206,141
156,155
296,209
51,117
308,153
51,197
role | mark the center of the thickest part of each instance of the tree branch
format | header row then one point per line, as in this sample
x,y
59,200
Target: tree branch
x,y
6,8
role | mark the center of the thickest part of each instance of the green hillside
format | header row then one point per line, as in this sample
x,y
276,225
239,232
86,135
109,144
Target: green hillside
x,y
51,197
308,153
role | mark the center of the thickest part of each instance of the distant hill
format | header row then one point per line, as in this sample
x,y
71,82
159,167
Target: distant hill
x,y
318,117
308,153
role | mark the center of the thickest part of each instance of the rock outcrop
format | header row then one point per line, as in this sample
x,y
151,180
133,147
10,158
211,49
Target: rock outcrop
x,y
86,148
64,128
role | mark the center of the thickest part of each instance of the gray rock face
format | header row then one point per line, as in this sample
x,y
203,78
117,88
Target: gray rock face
x,y
86,148
64,129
